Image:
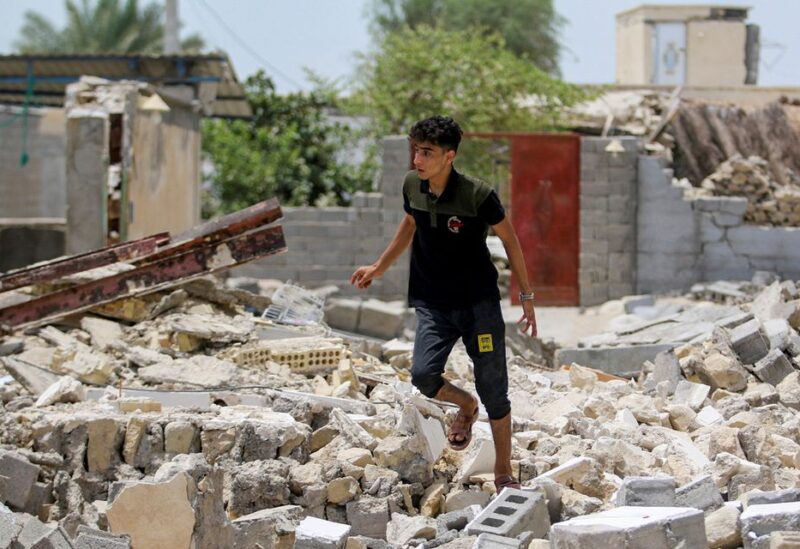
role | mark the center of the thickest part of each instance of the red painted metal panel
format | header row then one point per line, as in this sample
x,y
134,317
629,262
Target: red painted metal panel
x,y
545,178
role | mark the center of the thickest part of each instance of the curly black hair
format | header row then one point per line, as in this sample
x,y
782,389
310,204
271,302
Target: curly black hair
x,y
439,130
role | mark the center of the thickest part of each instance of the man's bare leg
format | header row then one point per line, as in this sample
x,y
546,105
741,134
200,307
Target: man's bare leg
x,y
461,398
501,433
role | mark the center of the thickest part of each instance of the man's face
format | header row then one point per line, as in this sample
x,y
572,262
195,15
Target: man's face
x,y
431,160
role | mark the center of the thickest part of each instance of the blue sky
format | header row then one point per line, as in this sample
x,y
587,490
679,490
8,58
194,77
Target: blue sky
x,y
286,36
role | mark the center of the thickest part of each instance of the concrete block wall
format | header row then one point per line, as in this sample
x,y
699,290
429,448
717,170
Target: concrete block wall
x,y
608,214
327,244
668,232
681,242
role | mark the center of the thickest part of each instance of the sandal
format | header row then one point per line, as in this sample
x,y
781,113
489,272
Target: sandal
x,y
506,481
462,425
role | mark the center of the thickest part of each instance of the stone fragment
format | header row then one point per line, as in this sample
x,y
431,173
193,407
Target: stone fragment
x,y
647,492
10,526
154,515
88,366
181,437
380,319
368,517
709,416
105,439
104,333
582,378
273,527
461,499
722,372
409,456
493,541
789,390
360,457
784,540
771,497
342,490
722,528
432,501
666,368
314,533
127,405
67,389
402,529
691,394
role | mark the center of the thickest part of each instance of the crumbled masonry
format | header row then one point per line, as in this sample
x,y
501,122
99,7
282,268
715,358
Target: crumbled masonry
x,y
203,425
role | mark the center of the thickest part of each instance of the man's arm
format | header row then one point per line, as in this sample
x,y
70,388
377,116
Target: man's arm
x,y
506,233
363,276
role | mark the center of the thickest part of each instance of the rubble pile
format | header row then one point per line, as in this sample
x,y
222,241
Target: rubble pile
x,y
768,202
207,426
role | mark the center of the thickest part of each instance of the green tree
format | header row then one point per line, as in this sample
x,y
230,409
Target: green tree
x,y
107,26
472,77
290,149
530,27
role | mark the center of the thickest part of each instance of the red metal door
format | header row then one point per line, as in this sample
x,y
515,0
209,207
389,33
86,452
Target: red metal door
x,y
545,177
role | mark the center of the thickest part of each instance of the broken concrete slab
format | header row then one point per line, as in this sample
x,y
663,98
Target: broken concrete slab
x,y
314,533
90,538
623,361
20,477
773,367
757,522
632,528
154,515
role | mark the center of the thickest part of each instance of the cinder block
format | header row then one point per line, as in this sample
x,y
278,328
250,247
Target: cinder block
x,y
647,492
314,533
759,521
701,493
749,342
511,513
773,367
632,528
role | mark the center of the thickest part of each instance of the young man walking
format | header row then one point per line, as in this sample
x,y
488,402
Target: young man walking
x,y
453,284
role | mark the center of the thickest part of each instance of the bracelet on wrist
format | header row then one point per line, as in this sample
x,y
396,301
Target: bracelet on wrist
x,y
526,297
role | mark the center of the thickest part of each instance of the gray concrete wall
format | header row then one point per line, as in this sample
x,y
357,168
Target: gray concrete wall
x,y
608,210
37,189
326,244
681,242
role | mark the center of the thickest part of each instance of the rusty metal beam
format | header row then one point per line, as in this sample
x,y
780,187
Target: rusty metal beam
x,y
203,259
219,229
58,268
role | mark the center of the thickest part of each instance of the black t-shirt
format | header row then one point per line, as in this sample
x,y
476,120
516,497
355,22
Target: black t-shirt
x,y
450,263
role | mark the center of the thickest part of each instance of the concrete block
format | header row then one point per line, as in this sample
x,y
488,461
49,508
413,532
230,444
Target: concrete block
x,y
759,521
632,528
21,476
630,303
89,538
773,368
749,341
773,496
511,513
368,517
624,361
647,492
492,541
314,533
701,493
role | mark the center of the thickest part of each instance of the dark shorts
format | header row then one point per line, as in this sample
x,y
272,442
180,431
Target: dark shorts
x,y
481,328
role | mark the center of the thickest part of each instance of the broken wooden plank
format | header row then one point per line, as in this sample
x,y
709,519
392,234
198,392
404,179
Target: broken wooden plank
x,y
202,259
57,268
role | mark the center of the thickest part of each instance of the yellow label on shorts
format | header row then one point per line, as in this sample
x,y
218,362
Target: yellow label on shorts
x,y
485,343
